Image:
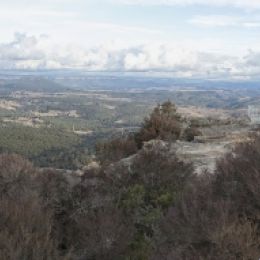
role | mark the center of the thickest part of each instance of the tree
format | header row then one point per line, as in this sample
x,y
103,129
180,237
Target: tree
x,y
218,215
145,186
26,225
190,133
116,149
164,123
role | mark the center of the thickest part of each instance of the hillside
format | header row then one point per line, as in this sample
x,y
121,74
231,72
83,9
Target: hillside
x,y
135,202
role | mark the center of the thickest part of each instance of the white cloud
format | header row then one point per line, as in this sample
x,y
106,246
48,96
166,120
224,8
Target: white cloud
x,y
69,26
23,48
30,52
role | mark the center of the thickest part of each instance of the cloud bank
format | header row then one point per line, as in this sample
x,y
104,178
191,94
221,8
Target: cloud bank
x,y
30,52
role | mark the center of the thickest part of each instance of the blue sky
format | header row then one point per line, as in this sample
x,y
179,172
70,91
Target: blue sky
x,y
188,38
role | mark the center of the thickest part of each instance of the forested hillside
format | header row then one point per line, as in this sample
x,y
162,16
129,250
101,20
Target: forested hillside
x,y
137,200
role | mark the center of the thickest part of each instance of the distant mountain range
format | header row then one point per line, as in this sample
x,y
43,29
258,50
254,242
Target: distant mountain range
x,y
120,80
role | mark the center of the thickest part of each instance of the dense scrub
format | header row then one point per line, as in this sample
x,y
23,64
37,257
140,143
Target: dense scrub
x,y
164,123
149,205
46,147
218,216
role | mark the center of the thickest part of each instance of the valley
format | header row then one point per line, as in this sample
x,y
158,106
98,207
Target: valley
x,y
48,119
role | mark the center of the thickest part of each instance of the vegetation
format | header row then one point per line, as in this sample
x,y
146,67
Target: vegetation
x,y
156,209
139,203
116,149
44,146
191,132
29,141
38,115
164,123
218,216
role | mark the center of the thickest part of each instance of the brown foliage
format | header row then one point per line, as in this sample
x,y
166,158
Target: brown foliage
x,y
238,178
26,230
116,149
25,225
190,133
204,227
147,206
157,167
218,216
163,123
99,234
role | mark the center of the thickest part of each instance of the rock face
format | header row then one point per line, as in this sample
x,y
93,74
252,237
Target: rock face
x,y
155,144
152,145
254,114
92,166
202,155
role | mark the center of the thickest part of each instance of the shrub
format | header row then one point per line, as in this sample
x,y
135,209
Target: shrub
x,y
218,215
190,133
26,226
115,149
164,123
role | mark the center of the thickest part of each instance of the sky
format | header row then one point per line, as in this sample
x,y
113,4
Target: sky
x,y
215,39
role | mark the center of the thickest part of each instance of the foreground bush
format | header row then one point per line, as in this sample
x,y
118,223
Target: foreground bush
x,y
218,216
149,205
26,226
